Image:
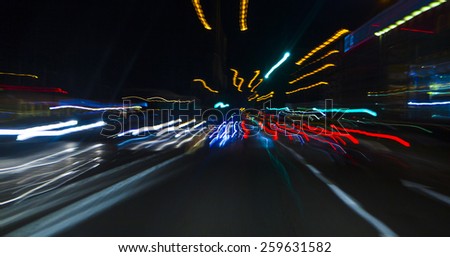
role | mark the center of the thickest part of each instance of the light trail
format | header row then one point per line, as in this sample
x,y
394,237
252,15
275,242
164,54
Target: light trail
x,y
46,133
15,132
285,57
200,15
206,86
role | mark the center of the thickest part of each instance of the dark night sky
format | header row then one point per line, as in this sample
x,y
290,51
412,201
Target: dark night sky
x,y
98,49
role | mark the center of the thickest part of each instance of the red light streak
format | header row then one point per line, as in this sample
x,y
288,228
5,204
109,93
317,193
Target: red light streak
x,y
33,89
418,30
370,134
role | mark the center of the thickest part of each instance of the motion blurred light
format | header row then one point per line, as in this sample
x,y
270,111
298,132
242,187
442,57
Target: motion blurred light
x,y
306,88
243,16
312,73
19,74
206,86
409,17
221,105
286,55
335,37
200,15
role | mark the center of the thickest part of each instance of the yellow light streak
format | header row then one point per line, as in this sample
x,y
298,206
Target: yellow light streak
x,y
243,16
19,74
253,97
206,86
200,15
335,37
325,56
259,83
410,17
235,77
265,97
308,87
257,72
326,66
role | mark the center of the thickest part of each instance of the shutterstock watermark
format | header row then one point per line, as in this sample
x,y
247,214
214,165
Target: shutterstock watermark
x,y
181,117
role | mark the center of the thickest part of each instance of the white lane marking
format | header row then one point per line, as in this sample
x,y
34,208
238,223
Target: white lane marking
x,y
426,190
85,208
382,228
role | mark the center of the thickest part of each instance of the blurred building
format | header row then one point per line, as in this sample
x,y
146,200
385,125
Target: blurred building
x,y
399,62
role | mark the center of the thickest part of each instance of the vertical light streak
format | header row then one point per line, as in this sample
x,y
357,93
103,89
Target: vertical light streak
x,y
200,15
243,16
257,72
235,77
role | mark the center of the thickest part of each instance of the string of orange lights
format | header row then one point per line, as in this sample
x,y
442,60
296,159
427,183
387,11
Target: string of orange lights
x,y
335,37
243,15
200,15
308,87
326,66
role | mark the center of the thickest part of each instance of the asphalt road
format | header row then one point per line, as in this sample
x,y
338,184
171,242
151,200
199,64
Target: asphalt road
x,y
261,187
148,186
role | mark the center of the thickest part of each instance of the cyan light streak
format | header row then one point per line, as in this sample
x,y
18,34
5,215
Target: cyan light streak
x,y
361,110
286,55
221,105
429,104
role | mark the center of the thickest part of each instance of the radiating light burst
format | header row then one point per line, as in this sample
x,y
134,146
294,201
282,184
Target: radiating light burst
x,y
200,15
243,15
206,86
307,87
324,67
285,57
332,39
409,17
